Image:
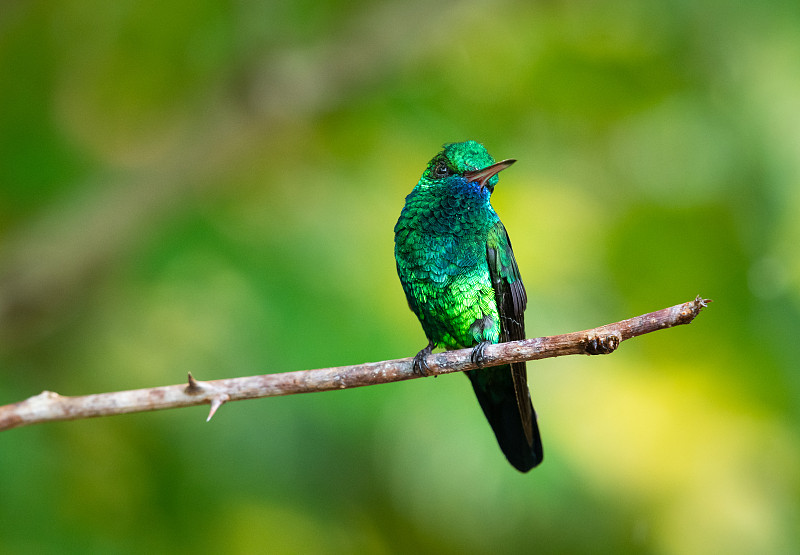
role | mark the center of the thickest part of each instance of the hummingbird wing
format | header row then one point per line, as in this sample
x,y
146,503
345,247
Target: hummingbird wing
x,y
511,301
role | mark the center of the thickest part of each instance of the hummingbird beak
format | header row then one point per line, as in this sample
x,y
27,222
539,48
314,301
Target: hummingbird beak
x,y
482,176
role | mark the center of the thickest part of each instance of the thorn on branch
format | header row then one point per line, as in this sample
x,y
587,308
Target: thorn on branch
x,y
194,386
216,403
217,398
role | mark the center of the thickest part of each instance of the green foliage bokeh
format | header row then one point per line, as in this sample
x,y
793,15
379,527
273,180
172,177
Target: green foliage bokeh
x,y
211,187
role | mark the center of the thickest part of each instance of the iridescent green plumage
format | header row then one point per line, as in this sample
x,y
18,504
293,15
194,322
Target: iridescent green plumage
x,y
457,268
460,277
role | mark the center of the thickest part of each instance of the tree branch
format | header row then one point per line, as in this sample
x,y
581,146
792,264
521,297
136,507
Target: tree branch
x,y
50,407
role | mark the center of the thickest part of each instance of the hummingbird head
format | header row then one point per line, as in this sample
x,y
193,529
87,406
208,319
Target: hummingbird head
x,y
469,161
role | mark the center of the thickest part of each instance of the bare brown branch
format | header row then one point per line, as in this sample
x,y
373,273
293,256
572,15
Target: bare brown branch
x,y
50,407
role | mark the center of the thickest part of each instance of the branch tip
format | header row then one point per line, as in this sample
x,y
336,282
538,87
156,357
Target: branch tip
x,y
703,302
690,310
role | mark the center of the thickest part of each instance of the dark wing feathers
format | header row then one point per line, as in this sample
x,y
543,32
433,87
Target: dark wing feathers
x,y
511,301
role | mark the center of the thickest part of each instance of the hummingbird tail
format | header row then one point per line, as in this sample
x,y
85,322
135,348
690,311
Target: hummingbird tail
x,y
494,388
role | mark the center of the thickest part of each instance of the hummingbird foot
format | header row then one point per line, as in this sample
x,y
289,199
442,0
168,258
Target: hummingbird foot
x,y
477,355
420,366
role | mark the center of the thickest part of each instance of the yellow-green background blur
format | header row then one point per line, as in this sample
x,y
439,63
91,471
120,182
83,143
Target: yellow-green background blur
x,y
211,186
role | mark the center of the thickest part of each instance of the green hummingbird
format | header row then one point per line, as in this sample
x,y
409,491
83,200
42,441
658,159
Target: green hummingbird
x,y
460,277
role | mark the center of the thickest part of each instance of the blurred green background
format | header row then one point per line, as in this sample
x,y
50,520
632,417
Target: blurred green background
x,y
211,187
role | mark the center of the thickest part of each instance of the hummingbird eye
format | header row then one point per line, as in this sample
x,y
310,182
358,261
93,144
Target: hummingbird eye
x,y
441,170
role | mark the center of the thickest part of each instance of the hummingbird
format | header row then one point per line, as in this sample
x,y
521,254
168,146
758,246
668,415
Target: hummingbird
x,y
458,271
